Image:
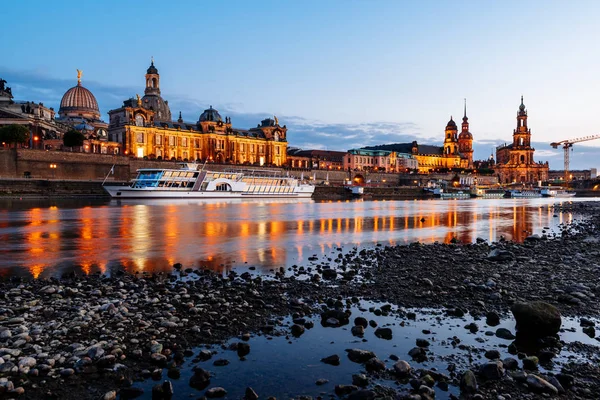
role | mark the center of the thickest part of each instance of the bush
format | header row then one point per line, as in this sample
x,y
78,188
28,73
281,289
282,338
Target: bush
x,y
14,134
73,138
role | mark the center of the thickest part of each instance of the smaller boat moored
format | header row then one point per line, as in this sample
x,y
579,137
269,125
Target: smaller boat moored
x,y
556,192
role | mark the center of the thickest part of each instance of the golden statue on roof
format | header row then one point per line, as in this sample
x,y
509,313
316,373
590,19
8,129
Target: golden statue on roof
x,y
276,120
79,73
139,100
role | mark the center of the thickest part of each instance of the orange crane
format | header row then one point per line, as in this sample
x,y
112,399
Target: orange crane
x,y
566,145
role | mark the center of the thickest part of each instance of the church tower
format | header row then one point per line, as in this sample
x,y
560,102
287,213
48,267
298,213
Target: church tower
x,y
465,140
450,140
152,99
152,81
522,152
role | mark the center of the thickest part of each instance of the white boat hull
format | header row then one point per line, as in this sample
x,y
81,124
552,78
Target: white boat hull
x,y
126,192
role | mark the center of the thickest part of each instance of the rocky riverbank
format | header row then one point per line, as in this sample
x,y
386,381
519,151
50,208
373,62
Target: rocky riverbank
x,y
98,337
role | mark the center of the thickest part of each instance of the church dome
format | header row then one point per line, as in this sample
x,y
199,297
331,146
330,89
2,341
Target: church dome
x,y
162,112
210,115
152,69
465,135
79,100
451,124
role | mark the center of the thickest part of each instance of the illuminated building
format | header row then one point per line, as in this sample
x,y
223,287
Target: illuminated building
x,y
144,128
45,130
514,162
79,110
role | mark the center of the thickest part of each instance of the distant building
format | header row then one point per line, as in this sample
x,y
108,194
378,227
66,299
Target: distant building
x,y
79,110
144,128
574,175
45,130
315,159
456,152
378,160
514,162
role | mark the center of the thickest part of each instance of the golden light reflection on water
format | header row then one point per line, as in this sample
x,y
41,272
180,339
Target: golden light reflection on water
x,y
151,238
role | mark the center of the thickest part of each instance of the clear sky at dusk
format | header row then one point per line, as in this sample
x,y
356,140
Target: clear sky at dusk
x,y
340,74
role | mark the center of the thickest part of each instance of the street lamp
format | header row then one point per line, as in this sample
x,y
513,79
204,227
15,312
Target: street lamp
x,y
52,167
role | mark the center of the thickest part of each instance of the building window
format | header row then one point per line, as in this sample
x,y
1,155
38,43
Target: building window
x,y
140,137
158,140
139,120
171,140
277,150
184,142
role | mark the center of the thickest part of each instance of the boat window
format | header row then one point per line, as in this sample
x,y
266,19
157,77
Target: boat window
x,y
223,187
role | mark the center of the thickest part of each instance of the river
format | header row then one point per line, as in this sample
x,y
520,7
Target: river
x,y
45,238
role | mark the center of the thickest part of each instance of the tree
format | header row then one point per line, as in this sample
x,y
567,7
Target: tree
x,y
73,138
14,134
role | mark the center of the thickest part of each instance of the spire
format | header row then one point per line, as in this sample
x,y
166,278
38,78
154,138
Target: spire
x,y
180,120
465,119
522,106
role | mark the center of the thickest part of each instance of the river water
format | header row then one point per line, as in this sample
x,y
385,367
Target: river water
x,y
44,238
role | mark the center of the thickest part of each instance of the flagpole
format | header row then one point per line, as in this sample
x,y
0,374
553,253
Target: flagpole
x,y
112,170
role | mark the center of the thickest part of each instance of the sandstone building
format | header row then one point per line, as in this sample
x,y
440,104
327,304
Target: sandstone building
x,y
456,152
514,162
45,130
145,129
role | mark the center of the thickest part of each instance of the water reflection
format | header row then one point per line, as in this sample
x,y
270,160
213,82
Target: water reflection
x,y
41,240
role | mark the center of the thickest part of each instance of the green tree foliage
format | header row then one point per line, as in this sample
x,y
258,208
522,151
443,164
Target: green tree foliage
x,y
14,134
73,138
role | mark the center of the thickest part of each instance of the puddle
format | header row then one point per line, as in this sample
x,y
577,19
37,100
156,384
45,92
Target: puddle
x,y
285,366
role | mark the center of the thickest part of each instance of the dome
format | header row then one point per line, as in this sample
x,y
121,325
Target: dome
x,y
162,112
152,69
522,106
210,115
451,124
79,99
465,135
84,127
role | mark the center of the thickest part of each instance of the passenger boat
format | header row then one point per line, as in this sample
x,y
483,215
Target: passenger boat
x,y
356,190
557,192
523,194
487,193
450,194
190,182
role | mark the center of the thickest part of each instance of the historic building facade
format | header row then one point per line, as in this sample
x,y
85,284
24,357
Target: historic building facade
x,y
379,160
433,158
144,128
465,141
79,110
514,162
45,131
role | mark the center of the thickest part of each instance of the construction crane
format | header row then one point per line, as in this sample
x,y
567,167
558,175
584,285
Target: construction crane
x,y
566,145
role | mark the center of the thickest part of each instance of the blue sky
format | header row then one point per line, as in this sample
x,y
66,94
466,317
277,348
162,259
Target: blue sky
x,y
340,74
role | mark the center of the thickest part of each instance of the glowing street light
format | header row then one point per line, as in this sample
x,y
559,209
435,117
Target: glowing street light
x,y
53,167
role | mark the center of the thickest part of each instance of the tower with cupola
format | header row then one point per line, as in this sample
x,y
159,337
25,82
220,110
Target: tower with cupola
x,y
465,140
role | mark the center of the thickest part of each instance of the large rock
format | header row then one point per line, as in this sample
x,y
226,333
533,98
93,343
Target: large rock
x,y
540,385
536,319
402,369
468,382
492,370
360,356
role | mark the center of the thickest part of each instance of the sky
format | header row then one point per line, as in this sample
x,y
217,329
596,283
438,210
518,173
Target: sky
x,y
339,74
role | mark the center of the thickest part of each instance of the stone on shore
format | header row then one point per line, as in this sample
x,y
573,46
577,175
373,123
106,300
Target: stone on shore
x,y
536,319
468,382
360,356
